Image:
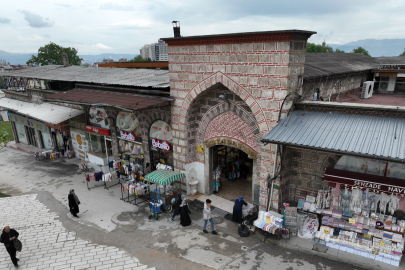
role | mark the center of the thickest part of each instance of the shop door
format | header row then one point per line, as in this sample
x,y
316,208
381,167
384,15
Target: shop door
x,y
109,146
33,138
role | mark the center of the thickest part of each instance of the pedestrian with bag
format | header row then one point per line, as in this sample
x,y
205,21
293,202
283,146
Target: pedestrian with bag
x,y
237,209
73,203
207,216
10,241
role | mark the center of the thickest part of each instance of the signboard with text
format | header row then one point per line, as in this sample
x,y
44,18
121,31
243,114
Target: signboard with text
x,y
129,136
164,145
97,130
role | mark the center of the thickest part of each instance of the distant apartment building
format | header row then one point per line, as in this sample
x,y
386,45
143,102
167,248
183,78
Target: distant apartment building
x,y
155,51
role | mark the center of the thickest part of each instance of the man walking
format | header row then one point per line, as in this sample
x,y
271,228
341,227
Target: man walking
x,y
207,216
7,238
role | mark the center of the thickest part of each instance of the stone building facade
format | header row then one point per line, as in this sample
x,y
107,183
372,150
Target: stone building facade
x,y
229,89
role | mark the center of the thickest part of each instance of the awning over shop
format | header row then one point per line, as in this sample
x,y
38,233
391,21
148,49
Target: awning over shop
x,y
364,135
46,112
164,177
362,180
103,98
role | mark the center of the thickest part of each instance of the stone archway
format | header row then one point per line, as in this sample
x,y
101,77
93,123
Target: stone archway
x,y
234,87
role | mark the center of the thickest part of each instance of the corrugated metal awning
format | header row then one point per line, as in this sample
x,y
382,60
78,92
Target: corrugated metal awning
x,y
362,135
46,112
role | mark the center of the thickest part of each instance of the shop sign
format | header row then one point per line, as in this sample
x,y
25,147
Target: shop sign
x,y
232,143
161,145
80,145
361,180
97,117
28,122
97,130
129,136
200,149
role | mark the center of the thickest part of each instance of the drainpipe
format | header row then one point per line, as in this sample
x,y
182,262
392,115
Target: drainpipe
x,y
272,181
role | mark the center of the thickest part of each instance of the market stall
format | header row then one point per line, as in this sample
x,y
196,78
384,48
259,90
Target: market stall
x,y
168,182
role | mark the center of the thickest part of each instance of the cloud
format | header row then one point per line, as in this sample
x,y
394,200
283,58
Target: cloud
x,y
63,5
36,20
4,20
114,6
100,46
35,37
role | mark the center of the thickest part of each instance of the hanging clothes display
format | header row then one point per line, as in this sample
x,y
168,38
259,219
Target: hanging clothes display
x,y
217,178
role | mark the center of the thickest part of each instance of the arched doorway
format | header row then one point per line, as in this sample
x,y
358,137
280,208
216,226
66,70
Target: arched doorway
x,y
233,166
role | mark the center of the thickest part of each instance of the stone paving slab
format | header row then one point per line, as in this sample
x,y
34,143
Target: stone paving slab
x,y
48,245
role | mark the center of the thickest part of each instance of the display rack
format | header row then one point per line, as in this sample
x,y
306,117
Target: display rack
x,y
290,220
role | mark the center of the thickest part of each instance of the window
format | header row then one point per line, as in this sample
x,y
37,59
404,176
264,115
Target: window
x,y
96,144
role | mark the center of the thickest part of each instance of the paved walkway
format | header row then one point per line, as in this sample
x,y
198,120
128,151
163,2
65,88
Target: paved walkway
x,y
48,245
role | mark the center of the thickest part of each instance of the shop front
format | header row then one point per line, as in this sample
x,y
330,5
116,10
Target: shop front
x,y
99,144
31,132
348,181
160,146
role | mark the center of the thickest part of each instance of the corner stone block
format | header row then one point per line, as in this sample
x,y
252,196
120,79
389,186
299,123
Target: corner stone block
x,y
246,47
283,46
173,76
236,47
286,58
282,71
217,48
210,48
270,46
203,48
175,49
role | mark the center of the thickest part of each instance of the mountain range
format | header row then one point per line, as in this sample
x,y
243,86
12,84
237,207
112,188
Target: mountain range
x,y
376,47
22,58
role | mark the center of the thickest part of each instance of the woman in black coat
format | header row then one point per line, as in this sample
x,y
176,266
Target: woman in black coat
x,y
177,206
73,203
237,209
185,219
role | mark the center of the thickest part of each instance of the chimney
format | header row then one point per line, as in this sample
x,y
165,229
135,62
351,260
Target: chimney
x,y
65,60
176,28
323,43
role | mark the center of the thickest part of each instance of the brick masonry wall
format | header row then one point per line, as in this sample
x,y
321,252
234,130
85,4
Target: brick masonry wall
x,y
303,171
255,76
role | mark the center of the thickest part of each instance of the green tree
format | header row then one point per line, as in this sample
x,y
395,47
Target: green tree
x,y
361,50
51,54
138,58
339,51
317,48
85,64
402,54
4,137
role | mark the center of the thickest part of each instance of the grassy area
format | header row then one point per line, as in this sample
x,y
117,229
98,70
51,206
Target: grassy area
x,y
2,195
7,126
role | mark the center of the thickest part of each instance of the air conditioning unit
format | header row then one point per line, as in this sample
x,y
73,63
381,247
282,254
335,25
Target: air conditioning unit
x,y
367,89
387,84
109,121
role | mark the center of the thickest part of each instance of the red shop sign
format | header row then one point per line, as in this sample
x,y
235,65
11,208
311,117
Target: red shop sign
x,y
127,135
161,145
97,130
362,180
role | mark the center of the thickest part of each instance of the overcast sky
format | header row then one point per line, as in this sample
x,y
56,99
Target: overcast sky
x,y
95,27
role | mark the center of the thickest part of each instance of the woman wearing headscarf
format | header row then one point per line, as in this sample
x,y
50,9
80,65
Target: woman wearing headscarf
x,y
185,213
237,209
73,203
177,206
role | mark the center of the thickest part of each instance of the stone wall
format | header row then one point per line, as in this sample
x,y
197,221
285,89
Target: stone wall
x,y
329,86
302,172
254,73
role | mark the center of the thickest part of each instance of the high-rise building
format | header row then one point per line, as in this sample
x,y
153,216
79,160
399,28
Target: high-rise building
x,y
155,51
